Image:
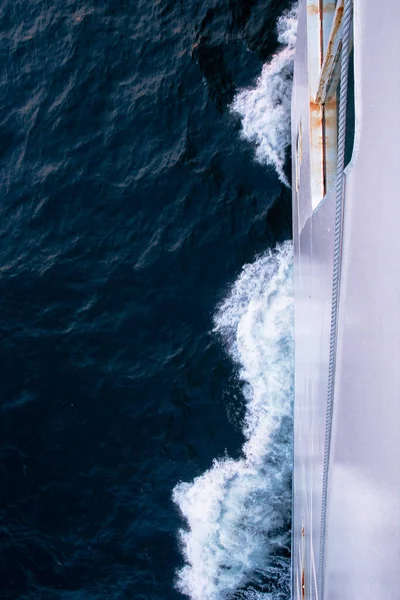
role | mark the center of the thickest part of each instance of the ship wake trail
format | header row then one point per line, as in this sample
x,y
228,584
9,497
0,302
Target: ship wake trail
x,y
265,108
236,542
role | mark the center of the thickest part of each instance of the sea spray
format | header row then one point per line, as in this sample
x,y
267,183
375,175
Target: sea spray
x,y
265,108
237,513
236,539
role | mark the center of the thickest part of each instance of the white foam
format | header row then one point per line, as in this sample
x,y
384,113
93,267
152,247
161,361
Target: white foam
x,y
265,108
238,512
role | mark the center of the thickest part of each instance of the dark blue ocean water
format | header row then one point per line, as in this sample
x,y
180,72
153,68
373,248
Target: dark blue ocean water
x,y
129,204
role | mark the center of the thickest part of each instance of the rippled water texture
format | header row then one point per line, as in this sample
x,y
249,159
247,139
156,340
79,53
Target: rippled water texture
x,y
129,204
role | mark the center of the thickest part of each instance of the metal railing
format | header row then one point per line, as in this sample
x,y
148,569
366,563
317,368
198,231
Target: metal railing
x,y
342,33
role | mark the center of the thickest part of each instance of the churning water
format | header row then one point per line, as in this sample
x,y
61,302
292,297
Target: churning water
x,y
236,542
130,201
238,512
265,109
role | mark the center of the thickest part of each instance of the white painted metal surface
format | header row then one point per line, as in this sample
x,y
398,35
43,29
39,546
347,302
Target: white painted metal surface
x,y
363,523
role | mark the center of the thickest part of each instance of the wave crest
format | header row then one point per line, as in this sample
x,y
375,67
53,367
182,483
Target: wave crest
x,y
265,108
238,512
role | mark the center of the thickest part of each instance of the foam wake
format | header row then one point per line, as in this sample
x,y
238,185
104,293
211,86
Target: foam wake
x,y
265,109
236,543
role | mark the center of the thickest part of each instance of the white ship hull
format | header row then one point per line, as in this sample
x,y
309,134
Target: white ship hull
x,y
346,534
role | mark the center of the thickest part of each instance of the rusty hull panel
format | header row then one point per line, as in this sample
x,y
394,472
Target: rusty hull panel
x,y
329,71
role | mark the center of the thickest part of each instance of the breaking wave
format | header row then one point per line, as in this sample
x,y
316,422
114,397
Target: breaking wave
x,y
236,539
265,108
236,543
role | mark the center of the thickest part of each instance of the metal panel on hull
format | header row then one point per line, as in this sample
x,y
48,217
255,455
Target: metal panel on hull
x,y
362,543
363,535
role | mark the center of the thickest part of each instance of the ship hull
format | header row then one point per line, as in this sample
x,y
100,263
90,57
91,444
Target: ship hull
x,y
357,524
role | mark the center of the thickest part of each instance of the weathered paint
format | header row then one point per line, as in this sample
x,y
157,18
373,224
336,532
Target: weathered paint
x,y
313,8
323,121
329,72
326,17
330,110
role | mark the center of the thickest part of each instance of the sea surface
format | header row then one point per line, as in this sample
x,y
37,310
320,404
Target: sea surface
x,y
145,299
